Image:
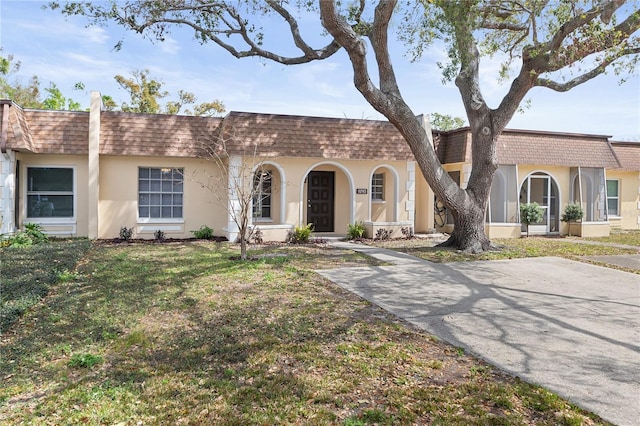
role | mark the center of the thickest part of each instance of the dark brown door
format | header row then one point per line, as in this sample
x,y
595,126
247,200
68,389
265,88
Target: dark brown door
x,y
320,192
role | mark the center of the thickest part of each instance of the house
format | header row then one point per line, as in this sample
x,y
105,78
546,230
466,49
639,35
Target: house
x,y
92,173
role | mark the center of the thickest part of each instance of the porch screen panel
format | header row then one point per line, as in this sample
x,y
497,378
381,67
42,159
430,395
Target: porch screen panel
x,y
503,201
593,194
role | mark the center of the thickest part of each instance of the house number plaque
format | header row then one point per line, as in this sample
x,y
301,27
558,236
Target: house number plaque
x,y
361,191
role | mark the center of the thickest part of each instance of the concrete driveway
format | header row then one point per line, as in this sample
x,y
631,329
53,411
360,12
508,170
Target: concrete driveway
x,y
571,327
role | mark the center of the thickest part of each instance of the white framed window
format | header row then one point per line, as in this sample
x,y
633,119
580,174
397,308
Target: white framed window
x,y
262,194
50,192
613,197
160,192
377,187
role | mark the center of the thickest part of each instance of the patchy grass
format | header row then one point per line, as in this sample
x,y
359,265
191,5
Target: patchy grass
x,y
630,238
27,274
509,249
180,334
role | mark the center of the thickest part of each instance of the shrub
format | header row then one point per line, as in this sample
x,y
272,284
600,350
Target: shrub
x,y
572,213
256,235
204,233
159,235
21,239
300,234
125,233
530,213
34,231
407,232
356,231
383,234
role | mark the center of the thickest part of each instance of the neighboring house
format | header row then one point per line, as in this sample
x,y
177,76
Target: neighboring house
x,y
91,173
553,170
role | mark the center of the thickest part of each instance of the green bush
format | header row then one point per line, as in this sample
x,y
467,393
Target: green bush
x,y
34,231
530,213
572,213
356,231
125,233
300,234
21,239
204,233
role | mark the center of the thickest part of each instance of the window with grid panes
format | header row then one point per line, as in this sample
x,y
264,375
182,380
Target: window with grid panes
x,y
262,195
160,192
377,187
613,197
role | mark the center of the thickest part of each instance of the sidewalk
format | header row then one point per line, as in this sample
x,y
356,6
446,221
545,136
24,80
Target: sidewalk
x,y
569,326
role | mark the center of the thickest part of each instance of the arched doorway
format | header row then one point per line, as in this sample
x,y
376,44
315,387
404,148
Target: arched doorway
x,y
328,197
541,188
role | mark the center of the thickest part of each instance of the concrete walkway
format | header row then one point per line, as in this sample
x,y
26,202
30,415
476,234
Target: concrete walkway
x,y
571,327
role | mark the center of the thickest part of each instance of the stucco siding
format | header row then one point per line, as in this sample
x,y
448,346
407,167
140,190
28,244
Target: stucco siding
x,y
629,199
77,225
119,197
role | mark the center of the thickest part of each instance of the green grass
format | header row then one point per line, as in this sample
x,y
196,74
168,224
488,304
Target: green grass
x,y
178,333
27,273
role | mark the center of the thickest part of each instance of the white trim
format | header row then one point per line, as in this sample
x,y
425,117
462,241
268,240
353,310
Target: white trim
x,y
154,228
150,220
617,197
49,220
536,228
283,186
352,191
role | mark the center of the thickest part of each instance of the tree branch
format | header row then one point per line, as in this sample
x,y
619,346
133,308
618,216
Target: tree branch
x,y
582,78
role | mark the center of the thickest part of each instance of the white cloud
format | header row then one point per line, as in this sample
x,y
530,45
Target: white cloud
x,y
169,46
320,78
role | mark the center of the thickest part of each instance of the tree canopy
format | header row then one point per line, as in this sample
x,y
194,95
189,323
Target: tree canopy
x,y
145,94
553,44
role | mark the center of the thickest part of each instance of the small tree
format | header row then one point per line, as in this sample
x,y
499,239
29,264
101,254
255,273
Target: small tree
x,y
572,213
238,185
530,213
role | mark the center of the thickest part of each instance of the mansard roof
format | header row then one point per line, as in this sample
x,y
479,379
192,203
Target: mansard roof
x,y
276,135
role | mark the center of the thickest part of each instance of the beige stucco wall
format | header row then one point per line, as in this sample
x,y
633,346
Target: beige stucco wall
x,y
118,194
119,197
76,226
629,200
424,221
349,207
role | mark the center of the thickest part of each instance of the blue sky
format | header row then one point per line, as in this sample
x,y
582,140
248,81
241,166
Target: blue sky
x,y
64,51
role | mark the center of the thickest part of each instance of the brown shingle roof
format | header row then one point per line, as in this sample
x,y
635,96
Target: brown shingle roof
x,y
555,149
59,132
629,155
19,136
534,147
123,133
63,132
314,137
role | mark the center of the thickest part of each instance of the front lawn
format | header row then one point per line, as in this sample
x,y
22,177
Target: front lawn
x,y
27,273
178,333
568,248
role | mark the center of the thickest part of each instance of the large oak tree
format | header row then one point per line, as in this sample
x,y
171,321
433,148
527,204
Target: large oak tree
x,y
543,40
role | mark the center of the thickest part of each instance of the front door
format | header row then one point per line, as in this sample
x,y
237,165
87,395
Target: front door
x,y
541,188
320,203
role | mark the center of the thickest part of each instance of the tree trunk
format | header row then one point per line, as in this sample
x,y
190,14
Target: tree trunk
x,y
469,228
